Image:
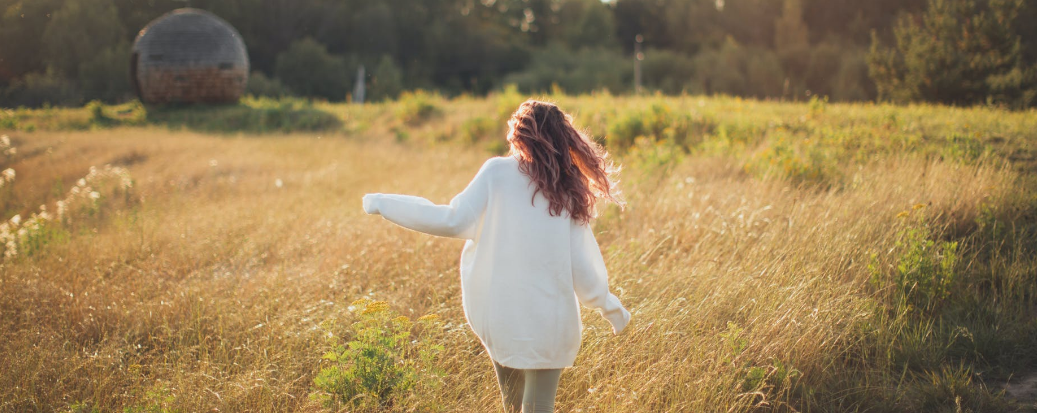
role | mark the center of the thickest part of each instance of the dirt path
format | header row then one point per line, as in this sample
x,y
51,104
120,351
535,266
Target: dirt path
x,y
1023,389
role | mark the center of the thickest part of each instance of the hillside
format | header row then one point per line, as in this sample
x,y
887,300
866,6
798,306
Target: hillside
x,y
775,256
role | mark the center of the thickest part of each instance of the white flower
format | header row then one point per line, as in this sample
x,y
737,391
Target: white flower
x,y
81,182
213,163
8,174
6,140
43,207
11,250
278,183
61,208
15,220
95,195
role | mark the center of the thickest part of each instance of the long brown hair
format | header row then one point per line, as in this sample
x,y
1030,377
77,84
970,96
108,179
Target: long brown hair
x,y
569,168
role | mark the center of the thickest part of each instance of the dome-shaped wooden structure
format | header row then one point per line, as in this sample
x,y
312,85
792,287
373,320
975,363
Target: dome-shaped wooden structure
x,y
189,56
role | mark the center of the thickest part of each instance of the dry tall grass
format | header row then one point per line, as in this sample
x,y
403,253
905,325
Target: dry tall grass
x,y
208,292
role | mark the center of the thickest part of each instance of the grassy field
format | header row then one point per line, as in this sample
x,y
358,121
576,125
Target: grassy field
x,y
776,256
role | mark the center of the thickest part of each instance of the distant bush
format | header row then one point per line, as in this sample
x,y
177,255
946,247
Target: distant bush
x,y
798,158
386,80
669,71
739,70
507,101
105,76
658,123
39,89
418,106
260,85
478,128
575,72
309,70
255,115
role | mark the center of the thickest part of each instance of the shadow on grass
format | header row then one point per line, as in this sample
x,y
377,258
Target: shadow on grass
x,y
248,116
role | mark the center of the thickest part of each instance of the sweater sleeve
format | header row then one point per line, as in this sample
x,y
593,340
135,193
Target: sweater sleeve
x,y
459,219
590,278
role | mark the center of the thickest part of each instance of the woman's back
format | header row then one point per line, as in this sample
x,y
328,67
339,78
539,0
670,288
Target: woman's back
x,y
520,266
517,276
530,253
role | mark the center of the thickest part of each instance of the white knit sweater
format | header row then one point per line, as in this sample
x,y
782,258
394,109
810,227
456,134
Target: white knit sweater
x,y
522,270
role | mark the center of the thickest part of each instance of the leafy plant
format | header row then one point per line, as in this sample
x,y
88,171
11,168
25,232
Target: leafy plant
x,y
417,106
388,362
924,272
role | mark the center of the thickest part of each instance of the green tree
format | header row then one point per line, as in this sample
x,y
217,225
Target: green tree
x,y
790,31
592,25
21,29
78,32
959,52
309,70
105,76
386,80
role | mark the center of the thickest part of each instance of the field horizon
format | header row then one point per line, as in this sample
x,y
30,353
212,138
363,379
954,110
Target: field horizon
x,y
809,257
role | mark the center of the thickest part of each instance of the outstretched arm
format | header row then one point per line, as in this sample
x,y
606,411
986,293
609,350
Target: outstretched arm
x,y
590,278
459,219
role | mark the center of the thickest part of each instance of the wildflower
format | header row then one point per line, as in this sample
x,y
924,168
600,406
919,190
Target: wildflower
x,y
401,320
428,318
278,182
8,174
15,220
126,181
95,195
61,208
213,163
81,182
918,206
375,307
903,214
5,140
360,302
11,250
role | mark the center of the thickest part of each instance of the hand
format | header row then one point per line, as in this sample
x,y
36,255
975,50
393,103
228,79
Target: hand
x,y
370,204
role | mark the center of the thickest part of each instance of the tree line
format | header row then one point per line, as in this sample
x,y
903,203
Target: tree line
x,y
963,52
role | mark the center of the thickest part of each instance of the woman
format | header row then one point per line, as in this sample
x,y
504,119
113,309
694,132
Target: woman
x,y
526,218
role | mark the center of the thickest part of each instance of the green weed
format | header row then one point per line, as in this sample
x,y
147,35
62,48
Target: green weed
x,y
389,362
416,107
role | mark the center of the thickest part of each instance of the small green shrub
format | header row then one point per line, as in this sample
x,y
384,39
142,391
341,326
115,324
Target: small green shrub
x,y
798,158
761,378
659,123
388,362
479,128
507,102
924,271
417,106
261,85
964,147
97,116
252,114
158,399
